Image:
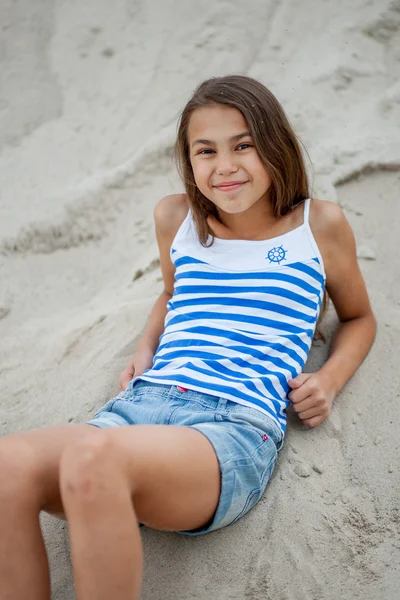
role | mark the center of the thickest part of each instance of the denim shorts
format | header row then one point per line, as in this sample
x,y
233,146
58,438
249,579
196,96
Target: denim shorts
x,y
245,440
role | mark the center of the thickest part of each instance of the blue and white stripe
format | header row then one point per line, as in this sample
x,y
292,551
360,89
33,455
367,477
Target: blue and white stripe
x,y
240,334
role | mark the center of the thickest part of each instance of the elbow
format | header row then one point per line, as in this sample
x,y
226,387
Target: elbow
x,y
374,324
371,325
367,324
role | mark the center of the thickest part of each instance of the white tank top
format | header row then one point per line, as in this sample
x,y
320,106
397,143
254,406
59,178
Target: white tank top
x,y
242,316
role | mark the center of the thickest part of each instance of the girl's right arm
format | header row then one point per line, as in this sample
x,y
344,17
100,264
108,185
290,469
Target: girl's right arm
x,y
169,214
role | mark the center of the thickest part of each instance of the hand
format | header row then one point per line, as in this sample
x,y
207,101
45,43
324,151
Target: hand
x,y
312,396
140,362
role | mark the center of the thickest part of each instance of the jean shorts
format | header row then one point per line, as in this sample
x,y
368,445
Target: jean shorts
x,y
245,440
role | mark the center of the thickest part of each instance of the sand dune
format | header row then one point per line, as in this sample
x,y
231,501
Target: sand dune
x,y
89,95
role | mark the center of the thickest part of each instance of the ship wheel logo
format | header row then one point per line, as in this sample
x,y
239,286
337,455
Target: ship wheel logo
x,y
277,255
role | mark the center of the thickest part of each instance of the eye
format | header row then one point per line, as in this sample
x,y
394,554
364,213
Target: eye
x,y
205,151
246,145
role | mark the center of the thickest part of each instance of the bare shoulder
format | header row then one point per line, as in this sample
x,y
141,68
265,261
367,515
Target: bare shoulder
x,y
344,280
330,226
170,212
326,217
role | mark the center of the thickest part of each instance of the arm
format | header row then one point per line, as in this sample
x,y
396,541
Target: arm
x,y
313,393
169,214
144,354
349,347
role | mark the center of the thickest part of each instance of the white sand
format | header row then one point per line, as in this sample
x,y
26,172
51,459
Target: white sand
x,y
89,95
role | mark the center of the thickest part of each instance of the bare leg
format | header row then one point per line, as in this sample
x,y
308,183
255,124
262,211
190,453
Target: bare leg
x,y
105,540
165,476
23,561
29,465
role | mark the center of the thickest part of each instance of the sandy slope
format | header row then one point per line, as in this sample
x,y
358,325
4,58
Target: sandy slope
x,y
89,94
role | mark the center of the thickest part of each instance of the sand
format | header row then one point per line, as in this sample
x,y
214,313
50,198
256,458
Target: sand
x,y
89,96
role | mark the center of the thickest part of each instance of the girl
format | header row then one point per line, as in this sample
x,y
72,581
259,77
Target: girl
x,y
246,259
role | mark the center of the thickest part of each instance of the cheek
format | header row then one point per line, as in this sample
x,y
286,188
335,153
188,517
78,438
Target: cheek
x,y
263,176
256,168
267,179
201,173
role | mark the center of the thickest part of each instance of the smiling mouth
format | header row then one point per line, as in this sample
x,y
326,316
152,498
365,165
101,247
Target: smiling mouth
x,y
227,187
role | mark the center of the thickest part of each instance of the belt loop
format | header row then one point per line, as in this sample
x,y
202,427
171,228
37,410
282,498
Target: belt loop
x,y
222,403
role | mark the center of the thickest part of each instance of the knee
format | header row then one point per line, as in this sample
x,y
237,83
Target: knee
x,y
84,469
18,471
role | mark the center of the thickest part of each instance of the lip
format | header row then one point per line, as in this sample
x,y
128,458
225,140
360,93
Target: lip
x,y
229,186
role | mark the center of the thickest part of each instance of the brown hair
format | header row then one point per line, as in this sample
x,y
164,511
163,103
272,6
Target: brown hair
x,y
274,140
273,136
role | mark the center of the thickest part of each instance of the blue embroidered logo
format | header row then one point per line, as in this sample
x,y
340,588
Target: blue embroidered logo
x,y
277,255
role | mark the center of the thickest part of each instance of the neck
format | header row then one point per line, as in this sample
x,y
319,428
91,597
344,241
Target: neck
x,y
253,224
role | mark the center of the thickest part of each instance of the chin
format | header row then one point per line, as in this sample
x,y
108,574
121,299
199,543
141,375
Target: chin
x,y
230,210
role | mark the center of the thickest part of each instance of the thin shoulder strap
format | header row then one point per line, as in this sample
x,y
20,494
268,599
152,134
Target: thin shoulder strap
x,y
184,226
306,211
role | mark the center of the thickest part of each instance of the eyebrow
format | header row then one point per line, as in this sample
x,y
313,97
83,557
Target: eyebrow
x,y
234,138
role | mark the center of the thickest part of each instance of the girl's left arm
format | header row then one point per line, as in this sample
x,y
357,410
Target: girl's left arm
x,y
313,393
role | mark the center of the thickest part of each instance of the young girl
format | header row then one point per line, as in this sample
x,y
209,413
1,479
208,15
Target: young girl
x,y
191,442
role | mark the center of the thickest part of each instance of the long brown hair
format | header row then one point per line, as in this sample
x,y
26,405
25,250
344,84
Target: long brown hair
x,y
273,136
274,140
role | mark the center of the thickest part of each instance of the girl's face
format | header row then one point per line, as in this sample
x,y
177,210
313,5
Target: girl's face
x,y
227,168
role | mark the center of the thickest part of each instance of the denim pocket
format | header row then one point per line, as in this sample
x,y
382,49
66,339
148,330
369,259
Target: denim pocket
x,y
251,501
252,438
141,391
269,461
106,407
254,418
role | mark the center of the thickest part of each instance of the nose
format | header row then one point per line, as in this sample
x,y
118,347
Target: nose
x,y
226,164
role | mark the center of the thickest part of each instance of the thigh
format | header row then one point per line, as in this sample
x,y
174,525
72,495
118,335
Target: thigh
x,y
173,472
34,457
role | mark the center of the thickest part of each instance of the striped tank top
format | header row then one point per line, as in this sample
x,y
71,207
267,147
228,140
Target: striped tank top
x,y
242,316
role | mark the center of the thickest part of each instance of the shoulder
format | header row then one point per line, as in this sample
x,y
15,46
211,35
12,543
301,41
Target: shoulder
x,y
326,217
329,225
170,212
335,239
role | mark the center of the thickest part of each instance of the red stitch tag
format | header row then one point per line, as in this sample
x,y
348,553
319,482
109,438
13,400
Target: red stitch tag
x,y
181,389
265,437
